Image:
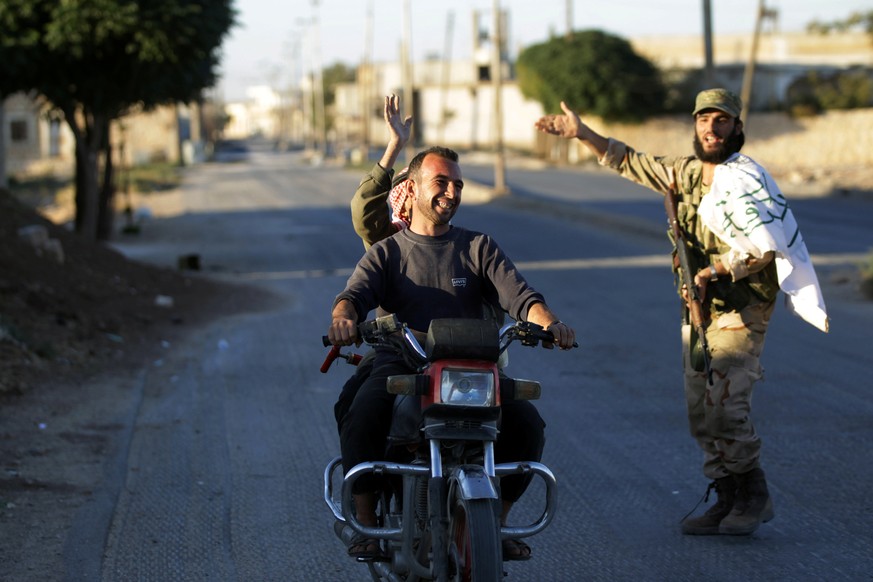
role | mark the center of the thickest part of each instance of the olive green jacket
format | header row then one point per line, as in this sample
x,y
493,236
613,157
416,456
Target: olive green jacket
x,y
370,212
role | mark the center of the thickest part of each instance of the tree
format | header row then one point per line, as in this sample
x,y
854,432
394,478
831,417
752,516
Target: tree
x,y
334,75
594,72
845,89
94,60
816,92
855,21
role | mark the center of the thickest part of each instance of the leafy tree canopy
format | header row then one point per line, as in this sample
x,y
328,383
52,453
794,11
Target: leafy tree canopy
x,y
817,92
593,72
111,54
334,75
95,59
855,21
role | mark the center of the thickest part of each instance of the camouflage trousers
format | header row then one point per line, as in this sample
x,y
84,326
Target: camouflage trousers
x,y
719,416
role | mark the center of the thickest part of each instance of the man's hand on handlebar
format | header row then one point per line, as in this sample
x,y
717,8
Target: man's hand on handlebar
x,y
564,335
540,314
343,332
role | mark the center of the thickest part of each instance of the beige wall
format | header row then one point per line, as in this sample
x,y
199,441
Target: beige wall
x,y
680,51
149,137
39,152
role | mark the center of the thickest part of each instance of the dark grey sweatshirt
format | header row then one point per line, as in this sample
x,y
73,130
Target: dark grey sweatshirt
x,y
420,278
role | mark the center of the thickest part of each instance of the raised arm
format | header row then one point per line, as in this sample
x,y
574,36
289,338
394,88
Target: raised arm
x,y
371,215
399,131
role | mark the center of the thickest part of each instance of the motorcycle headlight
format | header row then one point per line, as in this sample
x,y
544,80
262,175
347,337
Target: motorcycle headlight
x,y
467,387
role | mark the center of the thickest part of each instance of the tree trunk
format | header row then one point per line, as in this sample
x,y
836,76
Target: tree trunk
x,y
89,137
106,210
79,184
180,142
3,178
90,198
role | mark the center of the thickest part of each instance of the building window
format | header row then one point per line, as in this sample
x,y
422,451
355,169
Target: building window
x,y
54,138
18,130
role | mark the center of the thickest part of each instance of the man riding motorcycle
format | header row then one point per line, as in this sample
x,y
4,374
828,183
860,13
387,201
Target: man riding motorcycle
x,y
434,270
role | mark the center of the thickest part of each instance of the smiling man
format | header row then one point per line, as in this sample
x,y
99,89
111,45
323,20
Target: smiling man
x,y
744,247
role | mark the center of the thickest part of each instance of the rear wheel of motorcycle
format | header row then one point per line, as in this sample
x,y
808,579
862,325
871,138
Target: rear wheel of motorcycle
x,y
475,541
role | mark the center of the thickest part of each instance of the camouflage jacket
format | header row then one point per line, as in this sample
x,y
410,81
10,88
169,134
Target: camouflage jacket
x,y
745,286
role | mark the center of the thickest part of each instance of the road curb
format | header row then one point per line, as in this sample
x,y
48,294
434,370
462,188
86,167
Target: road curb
x,y
573,211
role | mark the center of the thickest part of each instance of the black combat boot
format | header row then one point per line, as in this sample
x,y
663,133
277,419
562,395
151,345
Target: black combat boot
x,y
753,505
708,523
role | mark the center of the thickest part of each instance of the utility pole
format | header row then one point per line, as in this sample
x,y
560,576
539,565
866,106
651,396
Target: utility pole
x,y
307,85
406,73
497,85
568,9
749,74
365,74
319,82
295,89
447,69
708,74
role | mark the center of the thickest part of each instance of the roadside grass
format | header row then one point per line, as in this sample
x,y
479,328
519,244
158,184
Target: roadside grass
x,y
155,177
48,190
38,191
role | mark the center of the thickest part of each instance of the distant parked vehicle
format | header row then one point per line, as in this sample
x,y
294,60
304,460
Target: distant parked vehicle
x,y
233,150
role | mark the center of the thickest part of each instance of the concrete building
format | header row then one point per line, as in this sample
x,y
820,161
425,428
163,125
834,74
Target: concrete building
x,y
36,142
39,142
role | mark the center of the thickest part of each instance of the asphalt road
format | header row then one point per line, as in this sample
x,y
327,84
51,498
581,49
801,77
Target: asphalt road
x,y
220,478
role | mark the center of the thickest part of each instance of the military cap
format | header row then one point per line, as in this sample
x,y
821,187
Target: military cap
x,y
720,99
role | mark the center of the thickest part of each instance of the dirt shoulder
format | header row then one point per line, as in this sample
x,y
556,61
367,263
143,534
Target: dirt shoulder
x,y
78,324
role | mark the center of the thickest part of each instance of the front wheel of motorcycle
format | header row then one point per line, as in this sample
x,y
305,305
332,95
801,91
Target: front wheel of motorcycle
x,y
475,542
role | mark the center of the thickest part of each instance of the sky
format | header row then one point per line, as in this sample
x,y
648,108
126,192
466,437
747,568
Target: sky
x,y
275,40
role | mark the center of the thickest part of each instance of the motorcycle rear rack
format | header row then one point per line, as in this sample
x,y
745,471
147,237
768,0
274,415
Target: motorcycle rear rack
x,y
343,509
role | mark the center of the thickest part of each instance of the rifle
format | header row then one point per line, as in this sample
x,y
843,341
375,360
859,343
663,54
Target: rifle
x,y
695,305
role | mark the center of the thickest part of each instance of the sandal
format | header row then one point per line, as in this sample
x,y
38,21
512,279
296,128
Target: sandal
x,y
515,550
364,549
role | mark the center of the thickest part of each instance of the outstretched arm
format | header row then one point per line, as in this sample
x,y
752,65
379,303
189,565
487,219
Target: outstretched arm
x,y
570,126
651,171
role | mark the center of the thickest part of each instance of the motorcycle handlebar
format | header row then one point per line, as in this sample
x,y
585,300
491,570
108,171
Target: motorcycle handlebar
x,y
529,334
331,356
334,353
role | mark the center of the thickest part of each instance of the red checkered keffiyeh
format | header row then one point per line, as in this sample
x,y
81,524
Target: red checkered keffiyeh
x,y
397,199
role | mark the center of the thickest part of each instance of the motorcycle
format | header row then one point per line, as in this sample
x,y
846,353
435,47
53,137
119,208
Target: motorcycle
x,y
440,518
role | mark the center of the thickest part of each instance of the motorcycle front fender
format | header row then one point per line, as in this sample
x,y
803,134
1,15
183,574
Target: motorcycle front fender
x,y
472,482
